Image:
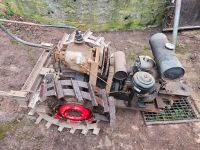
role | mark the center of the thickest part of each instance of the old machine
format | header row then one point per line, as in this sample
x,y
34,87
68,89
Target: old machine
x,y
81,82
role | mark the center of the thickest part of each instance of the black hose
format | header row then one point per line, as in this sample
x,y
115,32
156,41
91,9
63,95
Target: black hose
x,y
22,41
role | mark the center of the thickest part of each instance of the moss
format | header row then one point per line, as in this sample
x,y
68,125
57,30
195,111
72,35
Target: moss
x,y
107,15
132,57
2,14
25,8
2,6
14,42
9,11
7,126
145,52
182,49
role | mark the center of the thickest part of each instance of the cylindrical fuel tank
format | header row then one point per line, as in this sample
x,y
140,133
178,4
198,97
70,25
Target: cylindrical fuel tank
x,y
168,64
120,66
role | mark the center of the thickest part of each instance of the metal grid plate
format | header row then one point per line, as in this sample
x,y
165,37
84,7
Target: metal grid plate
x,y
181,111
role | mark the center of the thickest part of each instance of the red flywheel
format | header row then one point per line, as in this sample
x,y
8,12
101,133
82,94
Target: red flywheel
x,y
74,112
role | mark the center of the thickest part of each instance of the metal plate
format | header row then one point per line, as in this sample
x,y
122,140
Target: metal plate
x,y
181,111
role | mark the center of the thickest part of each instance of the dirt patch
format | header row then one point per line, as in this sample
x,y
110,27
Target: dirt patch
x,y
16,62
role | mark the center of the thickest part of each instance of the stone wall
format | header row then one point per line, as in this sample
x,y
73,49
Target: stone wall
x,y
94,14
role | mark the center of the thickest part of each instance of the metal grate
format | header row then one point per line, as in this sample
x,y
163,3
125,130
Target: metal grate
x,y
181,111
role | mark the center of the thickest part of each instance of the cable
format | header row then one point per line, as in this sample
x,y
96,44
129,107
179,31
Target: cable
x,y
22,41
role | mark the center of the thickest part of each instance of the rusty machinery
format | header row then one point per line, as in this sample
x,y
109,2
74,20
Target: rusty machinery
x,y
83,82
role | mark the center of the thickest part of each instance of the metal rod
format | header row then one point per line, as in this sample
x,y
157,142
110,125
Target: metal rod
x,y
172,122
176,22
36,24
182,28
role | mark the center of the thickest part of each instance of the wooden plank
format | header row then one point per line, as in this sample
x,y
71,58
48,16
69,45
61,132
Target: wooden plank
x,y
43,92
34,100
93,97
93,73
65,38
62,42
94,69
59,90
93,37
91,42
20,96
77,90
98,40
97,54
70,92
110,78
80,83
51,93
86,35
33,81
46,70
105,100
50,85
34,78
112,111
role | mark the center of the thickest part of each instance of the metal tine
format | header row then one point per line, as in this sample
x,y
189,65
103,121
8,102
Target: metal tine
x,y
39,119
84,131
96,131
60,128
72,130
48,125
31,112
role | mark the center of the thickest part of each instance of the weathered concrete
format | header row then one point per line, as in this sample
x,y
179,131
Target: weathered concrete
x,y
95,14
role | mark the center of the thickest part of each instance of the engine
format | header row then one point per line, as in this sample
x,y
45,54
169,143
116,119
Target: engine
x,y
82,54
88,77
142,84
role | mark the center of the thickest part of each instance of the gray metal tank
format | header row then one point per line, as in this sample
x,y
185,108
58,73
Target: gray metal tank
x,y
168,64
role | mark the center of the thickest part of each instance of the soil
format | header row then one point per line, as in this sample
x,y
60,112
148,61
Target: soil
x,y
17,61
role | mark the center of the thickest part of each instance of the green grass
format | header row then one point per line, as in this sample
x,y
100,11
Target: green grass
x,y
9,11
134,55
182,49
7,126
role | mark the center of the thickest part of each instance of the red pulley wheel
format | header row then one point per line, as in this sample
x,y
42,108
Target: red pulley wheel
x,y
73,112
